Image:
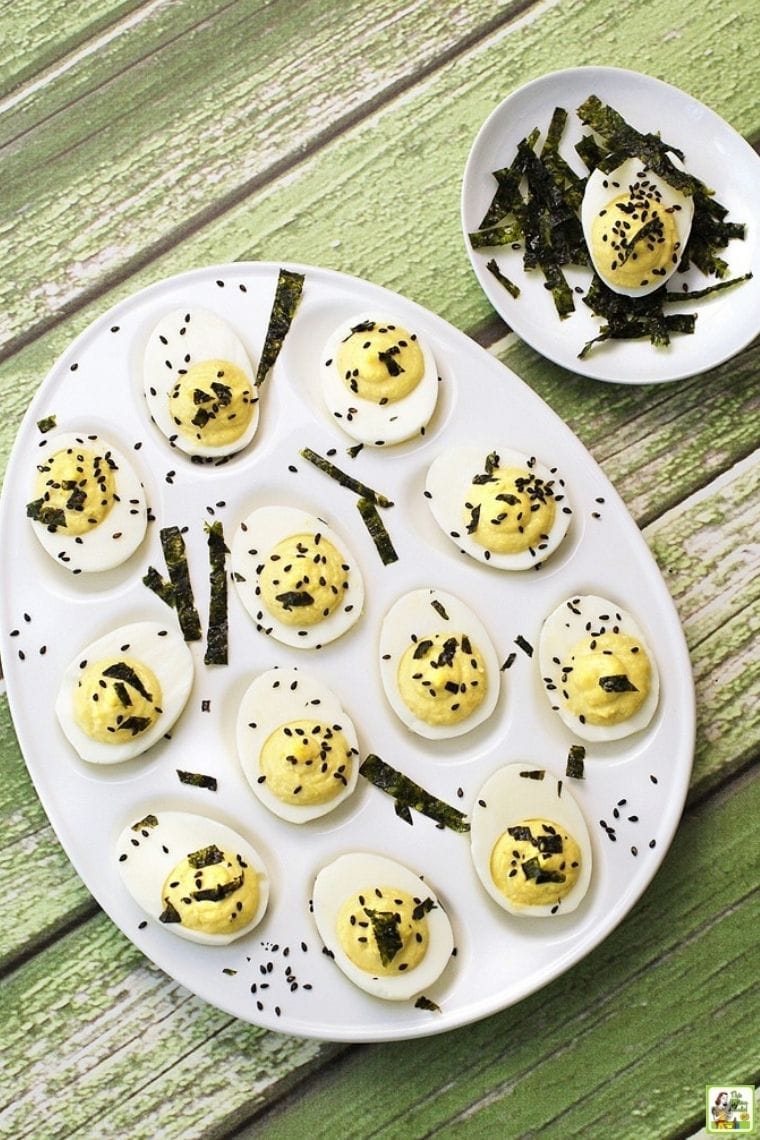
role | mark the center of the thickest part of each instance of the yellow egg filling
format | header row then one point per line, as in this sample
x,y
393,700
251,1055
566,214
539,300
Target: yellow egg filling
x,y
116,699
380,362
509,510
634,239
606,678
75,489
211,891
212,402
306,762
303,579
383,930
535,863
442,678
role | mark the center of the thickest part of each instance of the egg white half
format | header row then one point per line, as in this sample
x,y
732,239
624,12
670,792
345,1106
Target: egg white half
x,y
118,536
361,871
507,798
181,338
367,422
158,646
277,697
148,849
414,616
601,190
573,620
252,545
448,487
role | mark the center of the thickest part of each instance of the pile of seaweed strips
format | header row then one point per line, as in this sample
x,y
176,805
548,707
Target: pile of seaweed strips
x,y
545,222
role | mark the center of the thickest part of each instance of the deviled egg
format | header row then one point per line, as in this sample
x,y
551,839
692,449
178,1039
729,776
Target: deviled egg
x,y
88,507
123,692
296,745
379,379
438,666
530,843
598,671
499,506
636,226
200,384
295,576
382,924
198,877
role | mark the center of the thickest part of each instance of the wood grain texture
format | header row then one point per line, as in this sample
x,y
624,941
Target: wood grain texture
x,y
114,196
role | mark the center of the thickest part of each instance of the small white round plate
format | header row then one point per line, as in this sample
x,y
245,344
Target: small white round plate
x,y
713,151
277,976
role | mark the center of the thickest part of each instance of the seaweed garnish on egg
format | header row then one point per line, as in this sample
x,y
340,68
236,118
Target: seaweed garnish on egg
x,y
410,795
218,624
286,300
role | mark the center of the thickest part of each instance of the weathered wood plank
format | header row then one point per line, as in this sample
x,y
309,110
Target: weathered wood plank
x,y
91,1015
38,34
185,1069
137,201
155,145
539,1069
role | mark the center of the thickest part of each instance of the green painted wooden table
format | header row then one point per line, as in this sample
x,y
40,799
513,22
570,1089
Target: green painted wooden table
x,y
140,139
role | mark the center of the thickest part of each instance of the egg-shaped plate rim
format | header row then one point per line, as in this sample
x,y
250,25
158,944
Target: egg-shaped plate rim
x,y
80,831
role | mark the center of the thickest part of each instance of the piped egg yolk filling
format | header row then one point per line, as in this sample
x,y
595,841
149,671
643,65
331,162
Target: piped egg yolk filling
x,y
606,679
76,489
509,510
634,238
383,930
442,678
303,579
116,699
306,762
212,402
211,891
380,362
535,863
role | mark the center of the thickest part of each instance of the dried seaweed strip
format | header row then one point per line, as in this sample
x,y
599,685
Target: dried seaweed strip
x,y
175,556
508,180
286,299
509,285
218,625
377,531
408,794
163,589
696,294
345,480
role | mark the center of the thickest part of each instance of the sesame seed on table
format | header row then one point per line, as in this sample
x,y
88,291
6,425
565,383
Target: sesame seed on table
x,y
144,140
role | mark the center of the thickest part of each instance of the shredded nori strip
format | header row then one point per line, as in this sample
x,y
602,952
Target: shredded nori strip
x,y
532,869
617,683
165,591
169,914
439,608
345,480
533,774
123,672
47,424
218,623
205,857
423,1002
385,924
42,512
197,780
286,299
377,531
575,758
135,724
175,555
149,820
410,794
292,599
219,892
512,289
423,908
